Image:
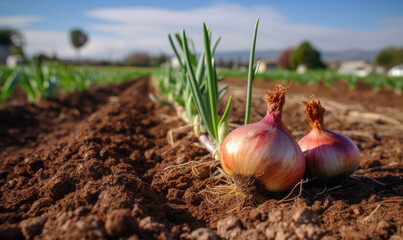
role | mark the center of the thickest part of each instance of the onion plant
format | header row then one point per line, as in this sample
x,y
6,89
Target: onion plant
x,y
194,88
251,74
327,76
205,92
39,80
174,85
49,79
8,80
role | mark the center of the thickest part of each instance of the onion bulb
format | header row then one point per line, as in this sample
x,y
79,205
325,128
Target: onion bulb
x,y
327,153
263,154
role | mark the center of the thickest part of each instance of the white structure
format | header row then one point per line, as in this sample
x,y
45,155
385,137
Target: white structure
x,y
396,71
175,62
358,68
301,68
14,60
266,65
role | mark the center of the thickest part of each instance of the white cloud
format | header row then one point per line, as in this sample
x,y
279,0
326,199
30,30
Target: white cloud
x,y
18,21
147,28
50,42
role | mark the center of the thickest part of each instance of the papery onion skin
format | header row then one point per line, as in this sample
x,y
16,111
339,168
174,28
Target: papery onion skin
x,y
264,150
328,154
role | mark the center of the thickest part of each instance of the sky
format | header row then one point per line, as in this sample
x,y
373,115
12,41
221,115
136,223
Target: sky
x,y
117,28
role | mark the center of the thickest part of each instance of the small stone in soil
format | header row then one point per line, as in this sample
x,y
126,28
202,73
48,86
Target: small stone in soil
x,y
281,235
304,215
309,231
349,232
270,232
383,228
137,211
276,216
146,224
252,234
149,154
229,228
203,234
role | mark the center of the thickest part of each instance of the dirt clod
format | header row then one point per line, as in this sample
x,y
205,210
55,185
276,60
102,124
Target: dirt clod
x,y
146,224
120,222
108,165
276,216
10,233
229,228
305,216
58,186
203,234
32,227
309,231
383,228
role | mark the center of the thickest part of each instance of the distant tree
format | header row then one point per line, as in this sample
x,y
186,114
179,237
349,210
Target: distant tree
x,y
306,55
142,59
12,41
161,58
389,57
78,39
6,37
41,57
283,59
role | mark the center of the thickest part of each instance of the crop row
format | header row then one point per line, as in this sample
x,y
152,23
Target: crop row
x,y
254,157
47,80
313,77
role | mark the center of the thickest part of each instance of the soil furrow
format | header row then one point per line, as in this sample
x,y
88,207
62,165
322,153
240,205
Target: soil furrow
x,y
97,165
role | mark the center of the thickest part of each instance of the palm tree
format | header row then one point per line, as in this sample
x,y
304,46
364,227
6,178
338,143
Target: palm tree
x,y
78,39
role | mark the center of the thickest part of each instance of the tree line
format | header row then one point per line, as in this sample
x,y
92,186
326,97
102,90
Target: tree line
x,y
305,54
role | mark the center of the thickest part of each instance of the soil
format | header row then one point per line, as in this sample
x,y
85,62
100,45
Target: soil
x,y
97,165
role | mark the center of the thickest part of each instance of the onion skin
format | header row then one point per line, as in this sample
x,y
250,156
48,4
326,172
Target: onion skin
x,y
328,154
264,151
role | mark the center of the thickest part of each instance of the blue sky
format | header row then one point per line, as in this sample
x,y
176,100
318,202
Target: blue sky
x,y
119,27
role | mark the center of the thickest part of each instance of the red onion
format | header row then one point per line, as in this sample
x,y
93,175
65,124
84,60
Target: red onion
x,y
263,154
327,153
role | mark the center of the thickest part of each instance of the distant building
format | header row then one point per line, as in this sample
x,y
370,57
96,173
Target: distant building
x,y
175,62
4,53
359,68
302,68
266,65
396,71
333,65
14,60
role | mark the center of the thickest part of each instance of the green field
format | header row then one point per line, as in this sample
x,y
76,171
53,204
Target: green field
x,y
48,80
313,77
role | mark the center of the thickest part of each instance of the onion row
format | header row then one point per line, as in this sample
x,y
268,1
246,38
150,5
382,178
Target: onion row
x,y
261,155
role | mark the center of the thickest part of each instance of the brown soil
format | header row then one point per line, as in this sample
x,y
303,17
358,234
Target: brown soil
x,y
96,165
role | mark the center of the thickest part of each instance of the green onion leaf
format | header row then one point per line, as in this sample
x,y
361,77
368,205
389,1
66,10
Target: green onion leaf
x,y
212,81
250,75
197,98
